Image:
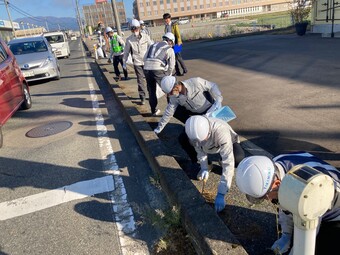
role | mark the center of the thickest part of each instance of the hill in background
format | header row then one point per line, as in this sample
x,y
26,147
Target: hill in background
x,y
53,23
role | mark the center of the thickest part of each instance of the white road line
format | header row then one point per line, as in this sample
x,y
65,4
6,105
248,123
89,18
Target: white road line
x,y
123,215
37,202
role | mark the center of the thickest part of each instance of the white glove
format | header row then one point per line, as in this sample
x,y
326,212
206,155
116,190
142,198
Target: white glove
x,y
157,130
217,105
282,245
203,175
124,66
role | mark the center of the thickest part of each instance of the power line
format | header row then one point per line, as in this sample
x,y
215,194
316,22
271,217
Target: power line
x,y
28,15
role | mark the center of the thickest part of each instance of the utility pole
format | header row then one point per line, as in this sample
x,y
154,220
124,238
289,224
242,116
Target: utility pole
x,y
115,14
79,19
10,18
46,25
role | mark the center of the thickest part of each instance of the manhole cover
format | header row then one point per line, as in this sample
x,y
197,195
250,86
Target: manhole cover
x,y
49,129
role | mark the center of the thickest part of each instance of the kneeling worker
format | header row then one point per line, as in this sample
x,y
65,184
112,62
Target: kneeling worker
x,y
251,176
210,136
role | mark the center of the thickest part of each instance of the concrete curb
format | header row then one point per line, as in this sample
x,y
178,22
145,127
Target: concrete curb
x,y
208,236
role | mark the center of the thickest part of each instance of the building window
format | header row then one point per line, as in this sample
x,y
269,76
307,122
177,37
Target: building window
x,y
201,6
188,8
175,9
182,9
195,7
154,3
214,4
140,4
208,5
149,13
161,2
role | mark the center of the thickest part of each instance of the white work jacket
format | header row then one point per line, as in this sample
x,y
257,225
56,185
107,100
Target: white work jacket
x,y
221,140
137,46
194,100
160,56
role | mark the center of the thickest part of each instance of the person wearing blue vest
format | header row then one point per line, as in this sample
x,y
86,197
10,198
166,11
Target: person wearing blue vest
x,y
251,176
159,61
116,51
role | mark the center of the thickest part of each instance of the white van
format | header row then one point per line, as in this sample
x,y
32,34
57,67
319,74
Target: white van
x,y
59,43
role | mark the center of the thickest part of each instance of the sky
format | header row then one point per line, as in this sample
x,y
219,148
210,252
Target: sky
x,y
56,8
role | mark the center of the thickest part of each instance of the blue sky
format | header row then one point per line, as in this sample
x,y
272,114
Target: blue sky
x,y
57,8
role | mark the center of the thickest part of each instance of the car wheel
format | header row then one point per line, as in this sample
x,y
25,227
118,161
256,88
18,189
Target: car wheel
x,y
27,99
1,137
58,74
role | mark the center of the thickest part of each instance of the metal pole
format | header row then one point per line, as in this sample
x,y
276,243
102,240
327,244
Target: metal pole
x,y
332,34
47,25
115,14
80,23
10,18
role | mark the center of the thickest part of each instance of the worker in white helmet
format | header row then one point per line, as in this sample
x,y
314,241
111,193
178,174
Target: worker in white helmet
x,y
195,96
145,29
159,61
116,52
259,177
210,136
137,45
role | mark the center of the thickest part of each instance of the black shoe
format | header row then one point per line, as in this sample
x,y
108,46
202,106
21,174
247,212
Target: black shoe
x,y
185,71
179,74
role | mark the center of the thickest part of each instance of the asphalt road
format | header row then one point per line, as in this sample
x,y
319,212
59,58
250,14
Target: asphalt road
x,y
85,189
284,89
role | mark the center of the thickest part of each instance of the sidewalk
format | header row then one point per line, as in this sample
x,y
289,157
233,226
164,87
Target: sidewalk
x,y
241,228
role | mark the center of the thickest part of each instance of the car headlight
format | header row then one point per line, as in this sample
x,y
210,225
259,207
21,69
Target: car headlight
x,y
48,61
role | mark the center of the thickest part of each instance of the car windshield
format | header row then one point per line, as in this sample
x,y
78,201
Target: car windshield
x,y
55,38
28,47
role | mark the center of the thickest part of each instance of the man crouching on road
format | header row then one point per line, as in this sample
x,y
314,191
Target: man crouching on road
x,y
159,61
195,96
210,136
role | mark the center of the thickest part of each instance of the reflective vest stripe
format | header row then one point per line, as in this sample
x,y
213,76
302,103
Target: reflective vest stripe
x,y
158,51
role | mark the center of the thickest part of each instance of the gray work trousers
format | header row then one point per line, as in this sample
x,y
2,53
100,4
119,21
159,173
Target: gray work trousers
x,y
140,81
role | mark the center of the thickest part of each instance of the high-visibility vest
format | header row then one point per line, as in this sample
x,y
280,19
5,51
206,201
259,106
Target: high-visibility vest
x,y
158,52
116,47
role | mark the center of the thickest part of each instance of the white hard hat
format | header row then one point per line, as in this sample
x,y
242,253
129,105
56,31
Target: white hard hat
x,y
141,22
169,36
135,23
254,175
108,29
168,83
197,128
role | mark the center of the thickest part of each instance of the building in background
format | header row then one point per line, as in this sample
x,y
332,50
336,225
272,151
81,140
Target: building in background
x,y
102,11
152,10
324,20
6,32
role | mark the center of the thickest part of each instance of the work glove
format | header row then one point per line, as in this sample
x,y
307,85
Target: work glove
x,y
203,175
217,105
219,202
157,130
124,66
282,245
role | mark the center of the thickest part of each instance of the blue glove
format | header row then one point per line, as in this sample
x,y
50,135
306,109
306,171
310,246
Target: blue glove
x,y
219,202
282,245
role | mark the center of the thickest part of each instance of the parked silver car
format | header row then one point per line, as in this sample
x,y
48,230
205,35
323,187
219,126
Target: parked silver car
x,y
35,58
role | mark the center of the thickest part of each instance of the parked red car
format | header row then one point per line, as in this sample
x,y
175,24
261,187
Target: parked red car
x,y
14,91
